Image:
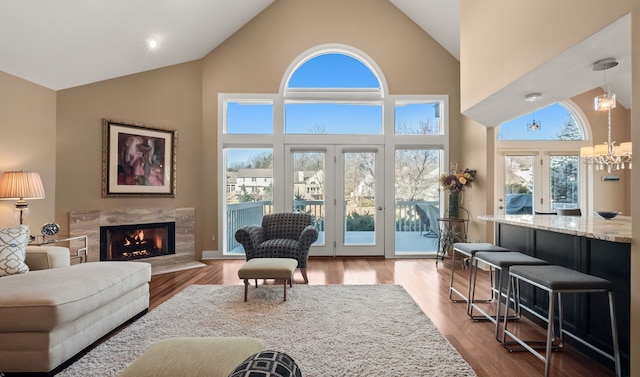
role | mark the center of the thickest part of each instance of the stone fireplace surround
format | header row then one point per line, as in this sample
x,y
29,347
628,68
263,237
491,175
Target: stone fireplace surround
x,y
89,223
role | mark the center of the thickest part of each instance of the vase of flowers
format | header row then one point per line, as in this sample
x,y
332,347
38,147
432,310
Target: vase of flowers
x,y
456,182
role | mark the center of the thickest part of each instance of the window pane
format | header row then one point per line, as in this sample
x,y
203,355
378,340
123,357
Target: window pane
x,y
249,185
360,198
333,71
249,117
555,121
308,187
518,188
418,119
564,182
333,118
417,200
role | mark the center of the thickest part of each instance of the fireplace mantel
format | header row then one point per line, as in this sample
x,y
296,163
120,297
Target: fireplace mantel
x,y
89,223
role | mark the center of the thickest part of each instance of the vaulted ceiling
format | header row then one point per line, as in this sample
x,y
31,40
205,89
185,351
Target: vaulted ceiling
x,y
66,43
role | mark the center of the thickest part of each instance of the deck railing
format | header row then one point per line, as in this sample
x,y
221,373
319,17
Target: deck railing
x,y
242,214
250,213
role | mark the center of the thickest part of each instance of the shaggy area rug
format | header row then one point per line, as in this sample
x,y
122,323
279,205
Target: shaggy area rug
x,y
333,330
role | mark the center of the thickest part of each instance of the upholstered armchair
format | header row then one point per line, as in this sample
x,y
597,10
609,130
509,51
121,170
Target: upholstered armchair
x,y
282,235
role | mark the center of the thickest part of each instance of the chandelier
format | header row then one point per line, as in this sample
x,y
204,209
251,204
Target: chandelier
x,y
607,156
533,125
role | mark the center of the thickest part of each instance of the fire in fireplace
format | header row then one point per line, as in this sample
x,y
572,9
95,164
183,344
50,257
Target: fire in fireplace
x,y
127,242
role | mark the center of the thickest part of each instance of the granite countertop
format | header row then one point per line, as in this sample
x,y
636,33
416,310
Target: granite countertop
x,y
617,229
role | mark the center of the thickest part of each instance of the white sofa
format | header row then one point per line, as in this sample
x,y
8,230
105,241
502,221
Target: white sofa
x,y
54,311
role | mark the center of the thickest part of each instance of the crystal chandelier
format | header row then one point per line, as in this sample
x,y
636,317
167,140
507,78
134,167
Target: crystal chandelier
x,y
607,156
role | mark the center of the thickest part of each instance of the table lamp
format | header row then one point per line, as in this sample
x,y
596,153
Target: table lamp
x,y
20,185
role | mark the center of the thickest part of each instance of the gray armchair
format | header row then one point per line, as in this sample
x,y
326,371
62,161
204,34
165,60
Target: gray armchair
x,y
281,235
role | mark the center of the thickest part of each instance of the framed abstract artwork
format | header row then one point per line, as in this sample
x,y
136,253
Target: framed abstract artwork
x,y
137,160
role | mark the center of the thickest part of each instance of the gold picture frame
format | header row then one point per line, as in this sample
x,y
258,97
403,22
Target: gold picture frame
x,y
137,160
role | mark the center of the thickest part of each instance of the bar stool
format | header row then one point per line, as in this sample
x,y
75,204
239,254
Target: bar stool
x,y
557,280
500,263
469,249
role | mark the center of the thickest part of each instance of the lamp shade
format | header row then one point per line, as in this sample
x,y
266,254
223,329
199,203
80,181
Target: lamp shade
x,y
20,185
625,148
601,149
586,152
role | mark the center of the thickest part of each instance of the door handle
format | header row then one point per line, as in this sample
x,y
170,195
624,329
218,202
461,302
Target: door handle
x,y
379,208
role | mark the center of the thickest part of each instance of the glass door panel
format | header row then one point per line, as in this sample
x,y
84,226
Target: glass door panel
x,y
360,206
341,187
519,188
417,201
564,187
309,187
309,176
538,180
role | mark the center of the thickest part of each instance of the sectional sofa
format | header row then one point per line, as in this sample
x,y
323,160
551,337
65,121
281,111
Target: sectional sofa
x,y
55,310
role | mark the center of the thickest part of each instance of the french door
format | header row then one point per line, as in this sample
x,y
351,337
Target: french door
x,y
342,187
538,180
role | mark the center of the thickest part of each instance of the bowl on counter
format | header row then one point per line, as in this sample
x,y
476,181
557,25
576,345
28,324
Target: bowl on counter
x,y
607,215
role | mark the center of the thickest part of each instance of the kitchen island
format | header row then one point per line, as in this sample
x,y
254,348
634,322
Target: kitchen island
x,y
588,244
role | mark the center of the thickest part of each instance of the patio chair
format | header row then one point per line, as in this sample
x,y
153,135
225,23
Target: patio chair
x,y
281,235
429,218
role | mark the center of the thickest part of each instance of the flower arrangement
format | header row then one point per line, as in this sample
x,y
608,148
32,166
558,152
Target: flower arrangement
x,y
457,181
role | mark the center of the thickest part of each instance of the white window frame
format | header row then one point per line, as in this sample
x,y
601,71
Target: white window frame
x,y
278,140
543,149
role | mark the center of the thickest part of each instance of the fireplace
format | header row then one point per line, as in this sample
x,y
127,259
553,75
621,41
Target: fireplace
x,y
136,241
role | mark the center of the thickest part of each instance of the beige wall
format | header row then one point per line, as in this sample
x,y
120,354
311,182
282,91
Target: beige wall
x,y
474,139
169,98
501,40
500,43
28,142
255,59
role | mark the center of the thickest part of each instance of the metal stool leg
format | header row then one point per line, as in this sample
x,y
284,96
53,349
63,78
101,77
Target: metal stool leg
x,y
451,288
563,280
550,334
529,345
614,336
473,281
499,264
469,249
473,273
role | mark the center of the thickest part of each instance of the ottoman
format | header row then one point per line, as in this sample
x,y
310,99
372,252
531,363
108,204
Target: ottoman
x,y
193,357
268,268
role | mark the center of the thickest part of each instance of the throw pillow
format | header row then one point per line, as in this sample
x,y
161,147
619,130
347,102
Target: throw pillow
x,y
267,364
13,242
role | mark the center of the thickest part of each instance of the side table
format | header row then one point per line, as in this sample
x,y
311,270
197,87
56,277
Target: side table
x,y
81,252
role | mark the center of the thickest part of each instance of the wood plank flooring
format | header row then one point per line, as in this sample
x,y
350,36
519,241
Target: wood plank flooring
x,y
428,286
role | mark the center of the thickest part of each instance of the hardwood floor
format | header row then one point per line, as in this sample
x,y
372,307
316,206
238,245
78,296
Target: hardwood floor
x,y
428,286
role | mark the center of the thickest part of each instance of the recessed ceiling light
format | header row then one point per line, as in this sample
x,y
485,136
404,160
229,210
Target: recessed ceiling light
x,y
153,43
